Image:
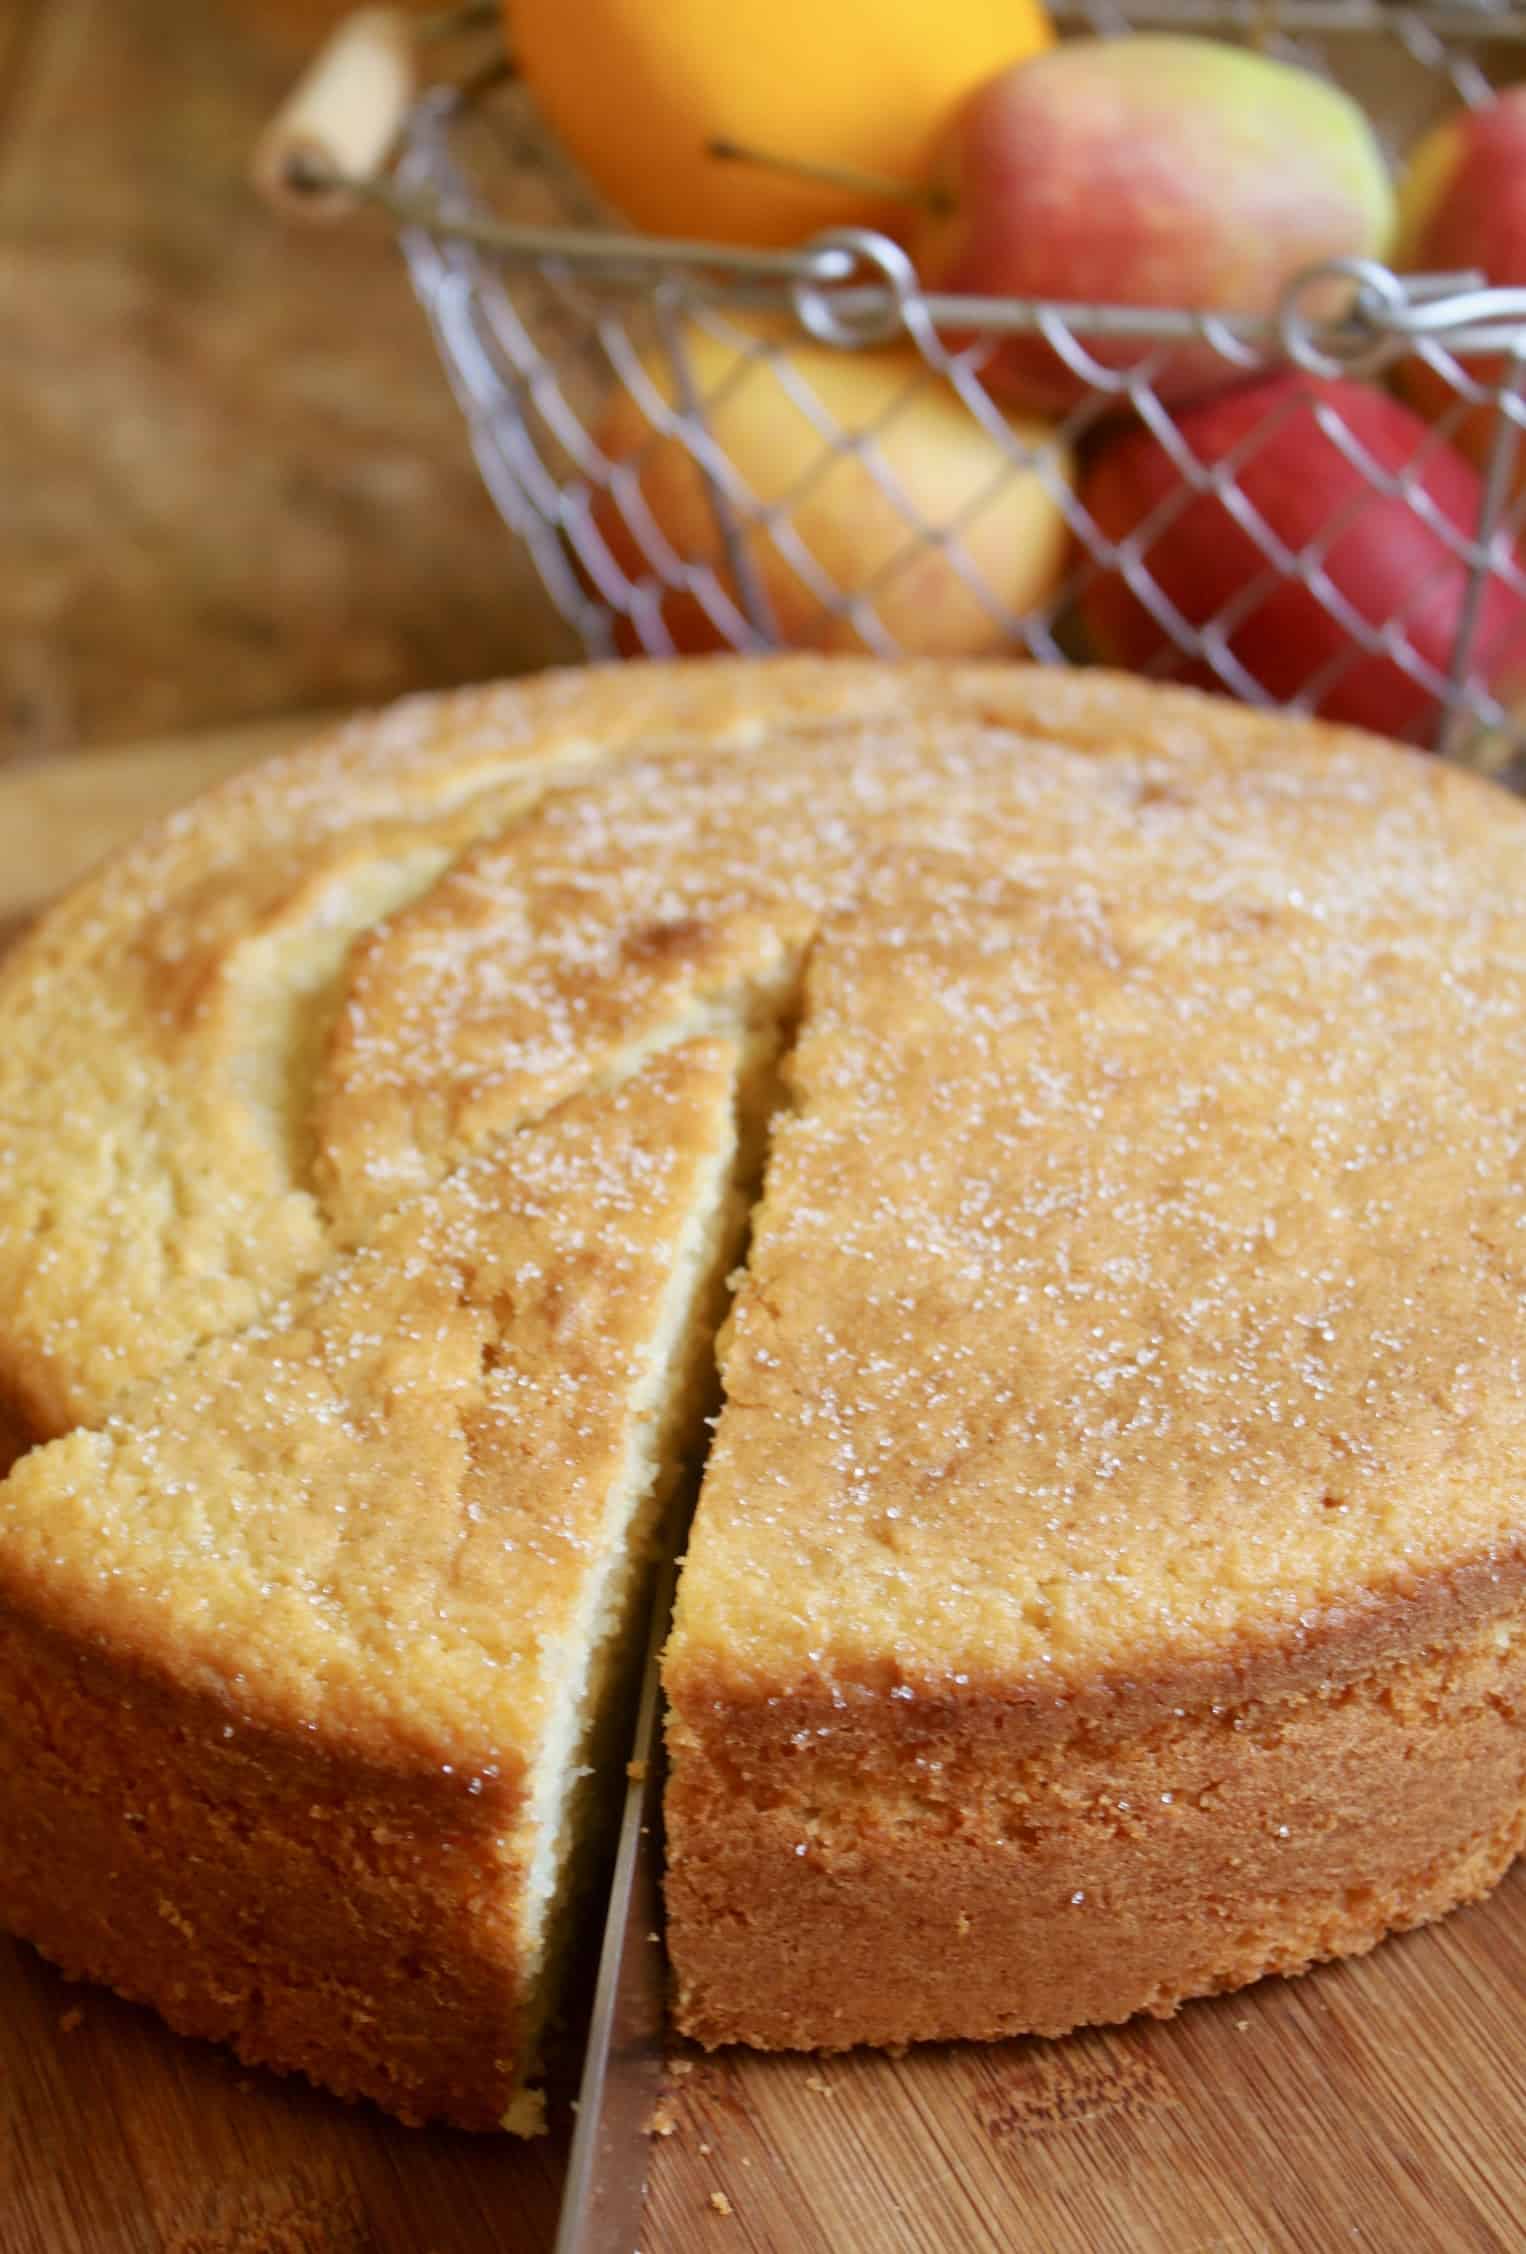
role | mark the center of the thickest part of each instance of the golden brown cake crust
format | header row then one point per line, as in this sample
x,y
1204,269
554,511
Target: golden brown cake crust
x,y
363,1520
1137,1293
1133,1326
258,1887
194,1112
938,1886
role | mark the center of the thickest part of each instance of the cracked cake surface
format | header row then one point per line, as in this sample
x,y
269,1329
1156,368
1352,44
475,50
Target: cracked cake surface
x,y
1105,1583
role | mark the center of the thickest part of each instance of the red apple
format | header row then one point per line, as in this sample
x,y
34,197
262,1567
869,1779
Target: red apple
x,y
1312,463
1155,171
1462,205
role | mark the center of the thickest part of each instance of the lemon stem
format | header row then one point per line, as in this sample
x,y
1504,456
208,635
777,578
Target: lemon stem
x,y
877,184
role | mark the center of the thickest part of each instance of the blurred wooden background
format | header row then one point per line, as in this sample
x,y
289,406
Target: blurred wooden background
x,y
233,483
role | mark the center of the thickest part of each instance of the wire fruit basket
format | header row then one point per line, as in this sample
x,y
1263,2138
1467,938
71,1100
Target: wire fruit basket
x,y
613,385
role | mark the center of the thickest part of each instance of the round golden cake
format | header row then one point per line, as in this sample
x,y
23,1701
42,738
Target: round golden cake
x,y
1051,1148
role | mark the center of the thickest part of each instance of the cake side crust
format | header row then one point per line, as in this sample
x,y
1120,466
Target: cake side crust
x,y
322,1914
1090,1880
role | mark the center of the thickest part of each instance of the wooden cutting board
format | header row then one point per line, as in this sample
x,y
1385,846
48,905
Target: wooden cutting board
x,y
1379,2106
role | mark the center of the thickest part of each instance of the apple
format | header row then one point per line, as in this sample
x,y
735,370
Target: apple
x,y
833,459
1304,454
1158,171
1462,206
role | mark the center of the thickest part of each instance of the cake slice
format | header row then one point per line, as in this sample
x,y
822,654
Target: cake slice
x,y
303,1653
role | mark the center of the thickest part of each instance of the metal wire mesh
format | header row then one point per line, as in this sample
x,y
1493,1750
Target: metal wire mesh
x,y
604,380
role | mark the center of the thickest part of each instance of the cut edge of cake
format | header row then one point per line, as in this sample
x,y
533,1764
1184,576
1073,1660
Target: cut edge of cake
x,y
570,1801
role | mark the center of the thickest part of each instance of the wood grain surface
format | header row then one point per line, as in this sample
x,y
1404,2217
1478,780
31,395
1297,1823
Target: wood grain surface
x,y
1379,2105
233,479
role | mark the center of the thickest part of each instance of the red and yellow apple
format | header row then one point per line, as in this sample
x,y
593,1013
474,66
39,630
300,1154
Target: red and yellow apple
x,y
1462,207
1314,462
846,475
1149,171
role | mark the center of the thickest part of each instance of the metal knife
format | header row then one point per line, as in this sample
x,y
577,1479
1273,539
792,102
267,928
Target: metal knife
x,y
622,2067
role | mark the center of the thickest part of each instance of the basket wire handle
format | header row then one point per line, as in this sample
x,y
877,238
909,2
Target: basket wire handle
x,y
338,125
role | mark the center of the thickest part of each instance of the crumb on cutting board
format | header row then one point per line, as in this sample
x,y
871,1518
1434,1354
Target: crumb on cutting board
x,y
663,2121
721,2203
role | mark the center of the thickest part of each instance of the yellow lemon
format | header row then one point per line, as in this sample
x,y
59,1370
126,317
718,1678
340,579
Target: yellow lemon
x,y
638,91
920,531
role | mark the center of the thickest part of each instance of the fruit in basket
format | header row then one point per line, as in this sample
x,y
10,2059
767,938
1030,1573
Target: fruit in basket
x,y
638,91
845,474
1462,206
1155,171
1326,551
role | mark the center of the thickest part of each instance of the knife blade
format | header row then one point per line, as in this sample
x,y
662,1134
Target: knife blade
x,y
605,2192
